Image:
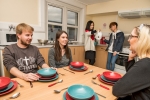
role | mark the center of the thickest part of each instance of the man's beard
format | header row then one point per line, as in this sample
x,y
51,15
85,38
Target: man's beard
x,y
24,43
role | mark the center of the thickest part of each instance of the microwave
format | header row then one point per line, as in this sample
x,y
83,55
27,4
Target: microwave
x,y
7,38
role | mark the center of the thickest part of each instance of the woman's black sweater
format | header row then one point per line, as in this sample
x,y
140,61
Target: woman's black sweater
x,y
135,84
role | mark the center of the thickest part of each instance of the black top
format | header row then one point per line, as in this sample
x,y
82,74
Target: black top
x,y
136,82
118,42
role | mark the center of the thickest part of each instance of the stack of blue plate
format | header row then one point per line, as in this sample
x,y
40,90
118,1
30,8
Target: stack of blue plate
x,y
47,74
80,92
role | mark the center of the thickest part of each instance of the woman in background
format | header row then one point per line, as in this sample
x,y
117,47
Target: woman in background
x,y
60,55
115,44
90,42
135,84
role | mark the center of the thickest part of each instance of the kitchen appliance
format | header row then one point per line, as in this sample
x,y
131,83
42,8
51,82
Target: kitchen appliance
x,y
120,64
102,40
7,37
98,36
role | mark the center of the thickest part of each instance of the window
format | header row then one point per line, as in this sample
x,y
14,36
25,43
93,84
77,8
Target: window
x,y
52,30
72,18
54,14
72,25
63,18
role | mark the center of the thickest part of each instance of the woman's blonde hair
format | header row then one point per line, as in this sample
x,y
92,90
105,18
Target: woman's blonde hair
x,y
143,45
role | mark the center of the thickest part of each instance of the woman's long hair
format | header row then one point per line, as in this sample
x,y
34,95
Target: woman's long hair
x,y
88,25
143,46
58,52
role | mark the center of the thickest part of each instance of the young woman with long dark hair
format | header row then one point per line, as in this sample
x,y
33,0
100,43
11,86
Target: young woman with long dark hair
x,y
60,55
89,42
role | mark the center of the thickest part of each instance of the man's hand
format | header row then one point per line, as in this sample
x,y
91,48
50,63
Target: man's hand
x,y
114,53
30,77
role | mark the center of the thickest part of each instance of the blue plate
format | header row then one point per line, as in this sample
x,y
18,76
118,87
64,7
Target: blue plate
x,y
82,68
80,92
50,79
64,96
103,78
46,72
7,88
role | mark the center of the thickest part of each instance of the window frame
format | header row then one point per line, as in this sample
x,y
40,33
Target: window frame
x,y
65,7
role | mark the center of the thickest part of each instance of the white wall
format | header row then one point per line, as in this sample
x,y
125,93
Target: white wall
x,y
32,12
116,5
106,12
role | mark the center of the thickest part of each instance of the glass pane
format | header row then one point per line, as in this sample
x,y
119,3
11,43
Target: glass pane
x,y
72,18
52,30
72,32
54,14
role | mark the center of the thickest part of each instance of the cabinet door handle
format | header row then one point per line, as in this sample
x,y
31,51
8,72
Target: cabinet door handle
x,y
74,51
102,48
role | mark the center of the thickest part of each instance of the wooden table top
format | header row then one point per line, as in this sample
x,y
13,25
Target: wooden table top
x,y
41,91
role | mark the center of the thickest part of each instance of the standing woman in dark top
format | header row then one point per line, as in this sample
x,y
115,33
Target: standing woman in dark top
x,y
135,84
60,55
89,42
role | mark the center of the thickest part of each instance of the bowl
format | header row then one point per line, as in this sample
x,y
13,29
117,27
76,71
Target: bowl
x,y
42,41
4,82
112,76
77,64
80,92
46,72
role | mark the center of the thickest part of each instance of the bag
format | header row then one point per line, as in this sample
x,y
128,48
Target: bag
x,y
95,42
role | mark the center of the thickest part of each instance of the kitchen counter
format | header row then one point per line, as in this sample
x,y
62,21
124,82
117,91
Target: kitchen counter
x,y
50,45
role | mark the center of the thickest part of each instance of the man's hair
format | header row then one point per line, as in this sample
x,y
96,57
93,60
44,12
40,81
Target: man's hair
x,y
112,24
23,27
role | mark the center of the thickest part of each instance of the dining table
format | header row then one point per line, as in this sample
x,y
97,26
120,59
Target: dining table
x,y
41,91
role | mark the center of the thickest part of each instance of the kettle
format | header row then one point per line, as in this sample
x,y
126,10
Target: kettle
x,y
98,35
102,40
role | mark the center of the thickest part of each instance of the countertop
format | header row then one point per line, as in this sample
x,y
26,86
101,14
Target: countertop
x,y
50,45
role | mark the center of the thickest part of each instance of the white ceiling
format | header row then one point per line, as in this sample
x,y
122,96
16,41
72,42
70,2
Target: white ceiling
x,y
88,2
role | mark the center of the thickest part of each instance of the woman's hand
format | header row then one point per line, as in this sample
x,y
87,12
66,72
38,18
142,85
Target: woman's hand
x,y
132,55
30,77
